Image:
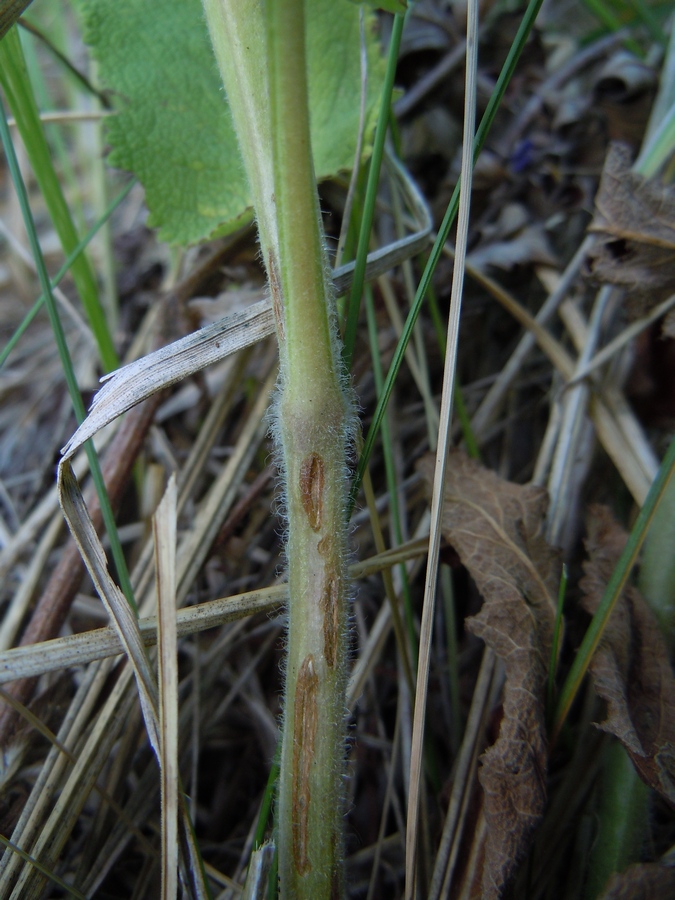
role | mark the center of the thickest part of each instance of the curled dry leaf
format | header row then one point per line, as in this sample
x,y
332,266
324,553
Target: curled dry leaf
x,y
496,527
631,670
646,881
635,222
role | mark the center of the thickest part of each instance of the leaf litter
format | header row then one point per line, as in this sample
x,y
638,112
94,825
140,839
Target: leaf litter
x,y
635,224
642,881
631,670
497,529
547,165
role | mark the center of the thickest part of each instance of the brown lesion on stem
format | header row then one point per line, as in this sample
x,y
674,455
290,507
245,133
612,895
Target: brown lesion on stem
x,y
330,603
277,297
305,720
312,478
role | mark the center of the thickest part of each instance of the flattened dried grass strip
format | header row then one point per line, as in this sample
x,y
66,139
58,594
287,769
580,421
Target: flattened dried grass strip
x,y
54,604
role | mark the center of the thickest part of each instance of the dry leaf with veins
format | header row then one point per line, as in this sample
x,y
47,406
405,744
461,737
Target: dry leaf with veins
x,y
646,881
631,670
635,224
497,527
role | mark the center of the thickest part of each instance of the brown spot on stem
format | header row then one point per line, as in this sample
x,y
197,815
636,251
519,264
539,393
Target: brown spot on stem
x,y
311,489
277,297
305,717
330,609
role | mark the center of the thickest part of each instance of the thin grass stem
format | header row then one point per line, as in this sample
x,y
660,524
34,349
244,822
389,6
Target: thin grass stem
x,y
64,354
555,644
437,250
613,591
368,212
390,475
55,281
17,88
438,492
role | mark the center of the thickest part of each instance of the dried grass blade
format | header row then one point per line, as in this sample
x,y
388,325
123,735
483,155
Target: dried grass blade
x,y
463,781
620,341
256,887
132,383
70,891
608,431
140,379
164,534
437,499
118,608
491,402
79,783
79,649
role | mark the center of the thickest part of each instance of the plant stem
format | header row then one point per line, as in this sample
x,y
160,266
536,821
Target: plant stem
x,y
312,426
312,419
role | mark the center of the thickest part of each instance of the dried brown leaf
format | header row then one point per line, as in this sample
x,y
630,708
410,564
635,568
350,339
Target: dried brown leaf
x,y
496,527
631,670
635,222
643,881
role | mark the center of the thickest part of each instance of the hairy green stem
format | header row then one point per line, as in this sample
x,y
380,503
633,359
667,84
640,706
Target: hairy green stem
x,y
313,417
313,420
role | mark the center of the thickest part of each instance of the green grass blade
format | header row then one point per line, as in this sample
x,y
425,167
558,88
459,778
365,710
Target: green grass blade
x,y
54,133
91,234
613,590
605,15
452,645
64,354
390,474
621,820
16,85
21,330
10,10
659,148
371,195
644,14
555,643
78,76
436,251
268,800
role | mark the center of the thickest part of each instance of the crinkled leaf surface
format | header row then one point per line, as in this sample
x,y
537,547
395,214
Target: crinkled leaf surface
x,y
173,128
497,527
646,881
631,670
635,223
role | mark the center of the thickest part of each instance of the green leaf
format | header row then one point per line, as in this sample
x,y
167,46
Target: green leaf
x,y
172,128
